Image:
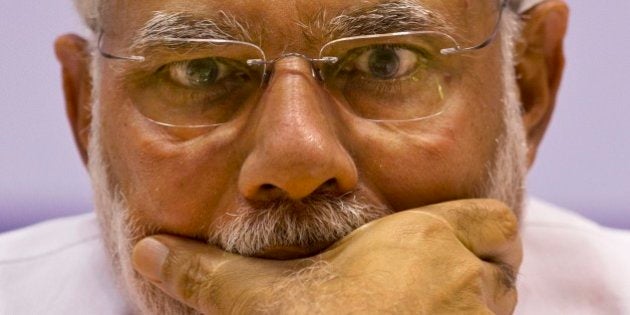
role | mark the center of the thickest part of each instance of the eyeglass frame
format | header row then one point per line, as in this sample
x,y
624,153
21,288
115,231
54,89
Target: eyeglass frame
x,y
251,62
269,64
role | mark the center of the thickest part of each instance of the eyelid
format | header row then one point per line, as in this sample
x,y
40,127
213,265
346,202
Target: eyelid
x,y
413,65
178,71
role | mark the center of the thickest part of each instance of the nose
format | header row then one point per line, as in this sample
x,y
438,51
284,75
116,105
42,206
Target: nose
x,y
296,149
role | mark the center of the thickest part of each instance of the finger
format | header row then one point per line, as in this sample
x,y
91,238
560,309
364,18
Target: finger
x,y
499,287
487,227
205,277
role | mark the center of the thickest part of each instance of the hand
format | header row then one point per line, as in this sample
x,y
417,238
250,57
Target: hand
x,y
454,257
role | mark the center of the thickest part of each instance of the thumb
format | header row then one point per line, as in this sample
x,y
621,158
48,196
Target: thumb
x,y
205,277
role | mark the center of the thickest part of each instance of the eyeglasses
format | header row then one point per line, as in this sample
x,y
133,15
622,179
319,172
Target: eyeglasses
x,y
394,77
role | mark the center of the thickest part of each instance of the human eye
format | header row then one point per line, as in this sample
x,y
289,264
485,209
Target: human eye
x,y
196,91
390,76
385,62
202,73
397,80
203,80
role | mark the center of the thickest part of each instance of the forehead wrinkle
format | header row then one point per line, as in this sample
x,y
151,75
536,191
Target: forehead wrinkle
x,y
164,25
380,18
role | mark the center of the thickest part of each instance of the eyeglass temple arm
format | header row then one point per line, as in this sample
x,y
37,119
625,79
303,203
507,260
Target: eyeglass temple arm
x,y
485,43
110,56
252,62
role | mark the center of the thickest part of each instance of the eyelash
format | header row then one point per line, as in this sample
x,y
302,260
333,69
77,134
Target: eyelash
x,y
353,55
159,73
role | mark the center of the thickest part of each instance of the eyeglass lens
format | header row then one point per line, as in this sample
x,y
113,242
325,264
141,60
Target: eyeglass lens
x,y
389,77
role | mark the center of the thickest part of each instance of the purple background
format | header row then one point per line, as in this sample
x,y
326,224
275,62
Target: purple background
x,y
583,163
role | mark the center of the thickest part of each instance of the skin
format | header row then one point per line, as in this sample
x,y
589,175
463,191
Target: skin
x,y
385,266
295,140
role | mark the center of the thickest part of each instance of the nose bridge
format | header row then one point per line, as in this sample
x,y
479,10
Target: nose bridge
x,y
296,148
294,96
294,107
294,58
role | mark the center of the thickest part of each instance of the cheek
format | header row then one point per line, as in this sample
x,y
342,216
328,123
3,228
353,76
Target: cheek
x,y
166,181
440,159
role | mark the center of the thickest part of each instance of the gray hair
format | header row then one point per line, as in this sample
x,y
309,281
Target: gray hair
x,y
90,10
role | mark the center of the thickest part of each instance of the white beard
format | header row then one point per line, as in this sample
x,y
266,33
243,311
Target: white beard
x,y
331,218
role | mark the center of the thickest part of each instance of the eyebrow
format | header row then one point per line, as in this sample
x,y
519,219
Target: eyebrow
x,y
163,27
381,18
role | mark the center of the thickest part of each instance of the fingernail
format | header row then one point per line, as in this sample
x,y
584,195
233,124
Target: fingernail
x,y
148,258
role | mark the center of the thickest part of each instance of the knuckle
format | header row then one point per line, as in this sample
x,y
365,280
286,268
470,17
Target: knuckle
x,y
503,218
509,229
498,210
505,295
506,276
507,225
511,298
472,274
493,204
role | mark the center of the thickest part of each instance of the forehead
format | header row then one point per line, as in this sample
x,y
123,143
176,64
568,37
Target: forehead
x,y
120,16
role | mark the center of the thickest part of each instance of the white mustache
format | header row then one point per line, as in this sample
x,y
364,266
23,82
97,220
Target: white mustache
x,y
317,219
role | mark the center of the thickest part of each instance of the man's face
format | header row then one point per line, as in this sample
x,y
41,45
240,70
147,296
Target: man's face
x,y
293,143
295,150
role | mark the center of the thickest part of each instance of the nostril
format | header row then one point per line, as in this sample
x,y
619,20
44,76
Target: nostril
x,y
329,186
269,192
331,183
